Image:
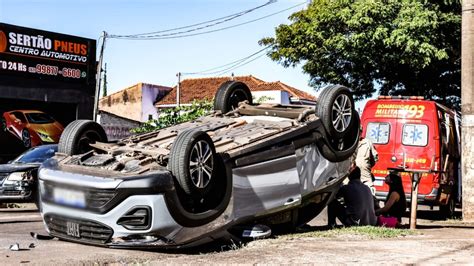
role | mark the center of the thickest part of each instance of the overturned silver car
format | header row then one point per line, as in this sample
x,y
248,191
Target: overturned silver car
x,y
244,164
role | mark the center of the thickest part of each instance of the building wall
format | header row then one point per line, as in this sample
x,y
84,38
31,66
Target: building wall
x,y
116,127
135,103
126,103
280,97
150,94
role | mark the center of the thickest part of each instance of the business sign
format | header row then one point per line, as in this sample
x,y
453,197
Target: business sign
x,y
46,55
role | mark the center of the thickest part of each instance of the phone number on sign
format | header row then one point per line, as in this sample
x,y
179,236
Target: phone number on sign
x,y
54,71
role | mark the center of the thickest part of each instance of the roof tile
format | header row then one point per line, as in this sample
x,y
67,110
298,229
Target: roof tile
x,y
206,88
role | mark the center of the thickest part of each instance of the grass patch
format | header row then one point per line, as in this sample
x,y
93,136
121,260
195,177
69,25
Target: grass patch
x,y
366,232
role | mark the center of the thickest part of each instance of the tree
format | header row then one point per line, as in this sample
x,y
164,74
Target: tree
x,y
176,115
401,47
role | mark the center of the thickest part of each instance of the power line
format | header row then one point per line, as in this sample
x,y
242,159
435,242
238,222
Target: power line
x,y
216,21
231,64
165,36
238,66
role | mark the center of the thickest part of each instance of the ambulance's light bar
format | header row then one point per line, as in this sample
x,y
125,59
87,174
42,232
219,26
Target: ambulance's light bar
x,y
382,97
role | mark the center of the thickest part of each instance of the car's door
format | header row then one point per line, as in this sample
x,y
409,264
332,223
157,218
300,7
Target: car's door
x,y
18,122
266,187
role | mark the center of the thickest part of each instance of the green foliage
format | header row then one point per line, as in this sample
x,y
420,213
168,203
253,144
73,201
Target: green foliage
x,y
366,232
403,47
176,115
262,99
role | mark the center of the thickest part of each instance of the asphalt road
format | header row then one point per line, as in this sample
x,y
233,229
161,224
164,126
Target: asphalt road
x,y
441,244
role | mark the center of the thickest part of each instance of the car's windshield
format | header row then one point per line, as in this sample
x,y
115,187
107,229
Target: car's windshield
x,y
39,118
37,154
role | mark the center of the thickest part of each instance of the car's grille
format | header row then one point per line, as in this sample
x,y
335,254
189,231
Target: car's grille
x,y
11,192
78,229
95,198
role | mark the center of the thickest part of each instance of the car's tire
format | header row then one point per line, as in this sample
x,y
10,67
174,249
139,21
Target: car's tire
x,y
229,94
192,161
190,211
26,138
338,150
77,136
336,110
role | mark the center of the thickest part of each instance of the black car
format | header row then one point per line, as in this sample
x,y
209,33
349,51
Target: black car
x,y
18,178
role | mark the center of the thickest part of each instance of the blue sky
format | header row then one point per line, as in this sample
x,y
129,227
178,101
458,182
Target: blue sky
x,y
158,61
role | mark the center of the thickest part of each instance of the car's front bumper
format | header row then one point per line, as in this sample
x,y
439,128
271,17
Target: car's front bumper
x,y
17,191
105,202
100,225
103,229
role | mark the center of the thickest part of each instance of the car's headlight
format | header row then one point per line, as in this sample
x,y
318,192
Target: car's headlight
x,y
17,176
42,135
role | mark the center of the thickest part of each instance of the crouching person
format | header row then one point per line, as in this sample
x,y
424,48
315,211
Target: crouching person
x,y
358,206
395,204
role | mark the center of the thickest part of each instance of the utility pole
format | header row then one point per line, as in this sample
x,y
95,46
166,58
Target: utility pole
x,y
467,108
104,89
98,76
178,89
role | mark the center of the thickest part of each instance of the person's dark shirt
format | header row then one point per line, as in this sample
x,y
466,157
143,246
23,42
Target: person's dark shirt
x,y
359,203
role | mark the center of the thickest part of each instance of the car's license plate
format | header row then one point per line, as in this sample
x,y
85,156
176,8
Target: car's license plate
x,y
73,229
69,197
378,182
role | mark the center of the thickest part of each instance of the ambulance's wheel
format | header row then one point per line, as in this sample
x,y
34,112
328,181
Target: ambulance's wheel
x,y
336,110
230,94
77,136
447,211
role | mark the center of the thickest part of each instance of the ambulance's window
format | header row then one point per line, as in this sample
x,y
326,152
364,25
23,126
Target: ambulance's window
x,y
415,135
378,133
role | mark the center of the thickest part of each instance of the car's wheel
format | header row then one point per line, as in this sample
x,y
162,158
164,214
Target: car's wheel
x,y
447,211
192,162
337,150
26,138
77,136
336,110
230,94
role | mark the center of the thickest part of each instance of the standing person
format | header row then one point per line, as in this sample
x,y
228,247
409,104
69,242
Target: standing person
x,y
358,207
366,158
395,204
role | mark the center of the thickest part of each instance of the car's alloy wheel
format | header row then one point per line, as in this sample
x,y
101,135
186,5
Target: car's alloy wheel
x,y
335,108
341,113
201,164
192,162
26,138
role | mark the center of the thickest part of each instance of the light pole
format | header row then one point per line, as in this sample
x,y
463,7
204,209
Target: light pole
x,y
98,77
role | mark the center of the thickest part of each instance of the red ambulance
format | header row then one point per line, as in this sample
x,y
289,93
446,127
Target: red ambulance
x,y
418,134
